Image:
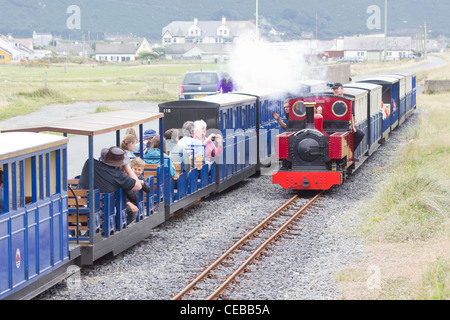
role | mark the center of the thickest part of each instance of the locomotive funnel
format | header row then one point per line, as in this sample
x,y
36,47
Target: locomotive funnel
x,y
310,115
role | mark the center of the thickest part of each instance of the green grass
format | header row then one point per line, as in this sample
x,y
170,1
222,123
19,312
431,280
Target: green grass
x,y
406,224
435,282
22,88
414,204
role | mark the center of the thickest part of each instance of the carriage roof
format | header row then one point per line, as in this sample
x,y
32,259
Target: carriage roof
x,y
16,144
95,124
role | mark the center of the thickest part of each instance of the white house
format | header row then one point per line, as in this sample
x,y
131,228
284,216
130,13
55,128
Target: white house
x,y
41,39
115,52
18,51
122,50
200,51
371,48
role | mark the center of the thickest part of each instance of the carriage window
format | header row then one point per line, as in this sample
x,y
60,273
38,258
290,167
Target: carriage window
x,y
339,108
299,109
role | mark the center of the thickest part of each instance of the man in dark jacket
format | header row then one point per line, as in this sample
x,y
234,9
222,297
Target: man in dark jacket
x,y
106,176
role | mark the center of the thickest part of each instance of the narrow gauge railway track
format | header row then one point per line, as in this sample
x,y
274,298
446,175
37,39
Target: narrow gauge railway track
x,y
255,243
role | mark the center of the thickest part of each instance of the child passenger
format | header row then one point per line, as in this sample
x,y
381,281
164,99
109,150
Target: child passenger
x,y
137,165
128,144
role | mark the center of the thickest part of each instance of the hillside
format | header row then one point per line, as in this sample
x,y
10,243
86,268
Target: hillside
x,y
292,17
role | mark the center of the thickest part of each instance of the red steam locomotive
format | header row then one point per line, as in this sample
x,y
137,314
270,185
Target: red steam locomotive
x,y
330,136
317,150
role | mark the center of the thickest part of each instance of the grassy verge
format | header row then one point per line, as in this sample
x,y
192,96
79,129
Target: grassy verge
x,y
407,227
22,88
358,69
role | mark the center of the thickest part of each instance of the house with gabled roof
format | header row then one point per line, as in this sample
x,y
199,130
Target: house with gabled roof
x,y
15,50
371,48
203,38
5,56
122,50
178,32
115,52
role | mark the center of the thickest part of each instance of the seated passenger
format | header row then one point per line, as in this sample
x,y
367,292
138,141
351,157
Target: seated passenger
x,y
106,176
210,148
171,137
146,140
153,155
132,197
186,146
128,144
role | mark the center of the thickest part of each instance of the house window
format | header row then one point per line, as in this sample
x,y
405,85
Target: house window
x,y
2,57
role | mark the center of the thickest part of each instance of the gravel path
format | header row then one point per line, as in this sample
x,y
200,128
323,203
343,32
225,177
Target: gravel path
x,y
298,268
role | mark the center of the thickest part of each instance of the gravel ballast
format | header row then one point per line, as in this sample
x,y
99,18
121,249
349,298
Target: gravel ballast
x,y
300,267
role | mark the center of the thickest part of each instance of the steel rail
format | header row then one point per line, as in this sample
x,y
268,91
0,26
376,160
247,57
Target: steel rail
x,y
224,285
230,250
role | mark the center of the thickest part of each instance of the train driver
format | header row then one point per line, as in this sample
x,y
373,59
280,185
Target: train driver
x,y
358,134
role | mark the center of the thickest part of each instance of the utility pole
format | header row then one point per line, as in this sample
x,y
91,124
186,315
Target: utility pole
x,y
316,26
425,39
257,28
385,29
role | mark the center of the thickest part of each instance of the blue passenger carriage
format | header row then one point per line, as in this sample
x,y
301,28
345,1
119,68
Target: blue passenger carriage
x,y
97,222
410,79
267,128
233,116
34,246
391,93
374,112
402,96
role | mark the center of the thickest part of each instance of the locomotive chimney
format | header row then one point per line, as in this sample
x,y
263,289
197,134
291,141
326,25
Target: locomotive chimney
x,y
310,115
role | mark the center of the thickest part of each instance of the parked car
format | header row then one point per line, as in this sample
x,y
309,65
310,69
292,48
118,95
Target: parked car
x,y
198,84
351,59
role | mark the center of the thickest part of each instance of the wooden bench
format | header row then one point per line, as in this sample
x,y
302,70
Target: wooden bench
x,y
152,171
79,203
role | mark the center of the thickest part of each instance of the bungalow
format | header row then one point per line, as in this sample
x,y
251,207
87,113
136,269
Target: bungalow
x,y
371,48
122,50
200,51
64,49
115,52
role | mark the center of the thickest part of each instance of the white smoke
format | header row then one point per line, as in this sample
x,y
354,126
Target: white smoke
x,y
260,64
